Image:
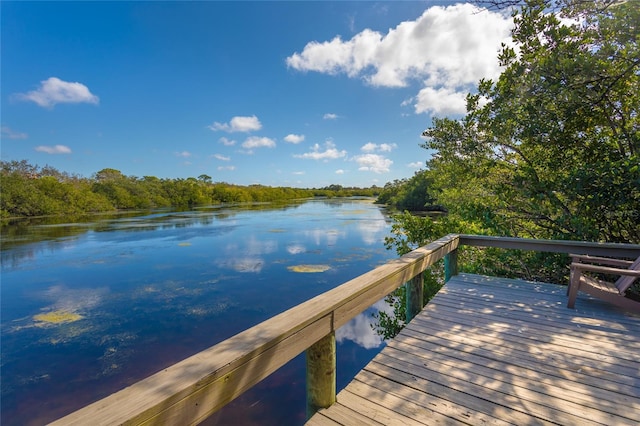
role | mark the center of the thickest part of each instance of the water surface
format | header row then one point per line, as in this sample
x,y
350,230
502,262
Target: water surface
x,y
91,306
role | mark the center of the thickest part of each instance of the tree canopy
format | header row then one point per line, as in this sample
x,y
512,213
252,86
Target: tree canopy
x,y
551,149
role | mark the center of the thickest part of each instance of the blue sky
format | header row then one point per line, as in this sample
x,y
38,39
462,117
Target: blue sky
x,y
302,94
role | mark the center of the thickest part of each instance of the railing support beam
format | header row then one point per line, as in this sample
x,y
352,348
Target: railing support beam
x,y
321,374
450,265
414,290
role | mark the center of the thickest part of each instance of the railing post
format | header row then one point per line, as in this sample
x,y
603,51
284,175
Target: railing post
x,y
321,374
414,290
450,265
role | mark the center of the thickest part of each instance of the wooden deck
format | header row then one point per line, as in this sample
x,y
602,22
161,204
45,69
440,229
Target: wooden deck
x,y
499,351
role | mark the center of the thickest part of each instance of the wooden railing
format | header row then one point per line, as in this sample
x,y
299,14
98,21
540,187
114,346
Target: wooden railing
x,y
191,390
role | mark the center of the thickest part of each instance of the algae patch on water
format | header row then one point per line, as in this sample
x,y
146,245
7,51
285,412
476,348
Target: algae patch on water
x,y
309,268
357,212
57,317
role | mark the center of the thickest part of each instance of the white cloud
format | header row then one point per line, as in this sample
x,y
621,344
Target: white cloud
x,y
255,246
416,164
291,138
238,124
226,142
372,231
373,163
8,133
325,236
383,147
57,149
244,264
330,152
296,248
226,167
339,172
451,47
258,142
330,116
55,91
221,157
73,300
441,102
184,154
360,331
298,173
368,147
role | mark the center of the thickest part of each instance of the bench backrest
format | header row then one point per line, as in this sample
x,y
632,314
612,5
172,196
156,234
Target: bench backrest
x,y
625,281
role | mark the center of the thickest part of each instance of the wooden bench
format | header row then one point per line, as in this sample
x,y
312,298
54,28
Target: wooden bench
x,y
612,292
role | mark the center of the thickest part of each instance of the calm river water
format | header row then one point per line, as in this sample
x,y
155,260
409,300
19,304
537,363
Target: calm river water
x,y
90,307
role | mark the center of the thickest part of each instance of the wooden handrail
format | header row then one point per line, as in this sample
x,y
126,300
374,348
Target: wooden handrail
x,y
191,390
630,251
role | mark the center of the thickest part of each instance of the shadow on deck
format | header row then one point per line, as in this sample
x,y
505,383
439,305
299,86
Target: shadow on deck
x,y
498,351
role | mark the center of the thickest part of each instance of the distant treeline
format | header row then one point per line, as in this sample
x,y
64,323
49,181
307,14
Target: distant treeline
x,y
29,190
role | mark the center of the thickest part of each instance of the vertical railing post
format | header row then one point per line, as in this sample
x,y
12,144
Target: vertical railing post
x,y
450,265
321,374
414,290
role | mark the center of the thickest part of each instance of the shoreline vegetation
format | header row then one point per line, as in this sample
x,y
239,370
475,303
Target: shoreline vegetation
x,y
30,191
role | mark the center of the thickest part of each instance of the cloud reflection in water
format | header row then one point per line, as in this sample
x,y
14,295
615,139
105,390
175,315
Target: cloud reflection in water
x,y
360,331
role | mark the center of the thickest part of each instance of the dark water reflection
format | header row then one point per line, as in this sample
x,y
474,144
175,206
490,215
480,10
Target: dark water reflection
x,y
145,290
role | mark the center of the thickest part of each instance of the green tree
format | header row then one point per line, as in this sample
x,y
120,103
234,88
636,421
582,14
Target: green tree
x,y
20,195
113,185
388,193
553,149
29,190
410,194
108,175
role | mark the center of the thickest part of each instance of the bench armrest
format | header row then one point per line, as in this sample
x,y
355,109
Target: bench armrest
x,y
604,269
578,258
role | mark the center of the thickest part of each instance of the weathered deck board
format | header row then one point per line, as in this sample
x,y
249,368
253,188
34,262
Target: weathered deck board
x,y
498,351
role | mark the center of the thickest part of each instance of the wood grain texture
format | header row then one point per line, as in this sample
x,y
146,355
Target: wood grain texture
x,y
499,351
